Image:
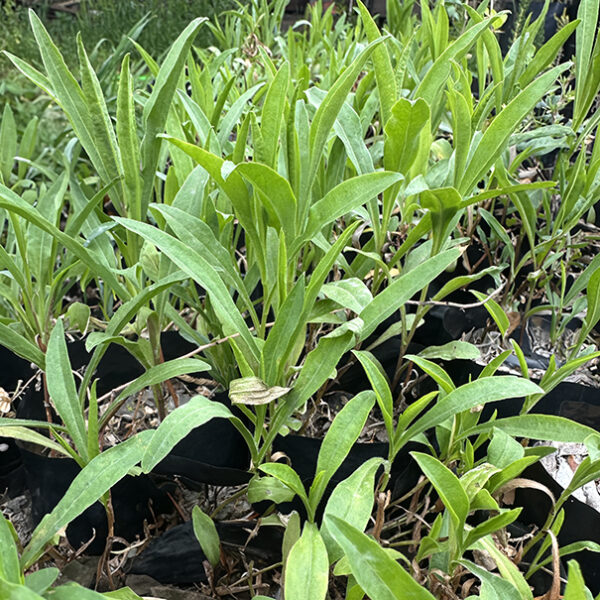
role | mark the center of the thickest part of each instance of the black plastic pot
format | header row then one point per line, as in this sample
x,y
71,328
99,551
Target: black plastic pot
x,y
176,557
12,369
134,500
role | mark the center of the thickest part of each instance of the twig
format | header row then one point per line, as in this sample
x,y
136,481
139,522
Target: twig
x,y
456,304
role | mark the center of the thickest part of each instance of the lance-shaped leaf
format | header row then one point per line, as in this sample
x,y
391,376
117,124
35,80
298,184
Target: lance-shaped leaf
x,y
486,149
377,573
351,501
481,391
9,557
307,567
156,109
402,133
338,441
403,288
275,193
330,107
21,346
62,390
347,196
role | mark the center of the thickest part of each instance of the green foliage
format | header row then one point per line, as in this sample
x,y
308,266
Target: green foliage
x,y
276,199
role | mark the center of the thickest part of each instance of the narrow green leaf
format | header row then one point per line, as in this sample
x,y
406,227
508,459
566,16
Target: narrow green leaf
x,y
469,395
351,501
341,436
403,133
380,385
547,53
495,311
272,114
270,489
347,196
8,143
307,567
156,109
288,476
9,557
496,136
503,589
40,581
584,43
62,390
384,73
318,366
452,351
492,525
283,337
74,591
349,293
379,575
435,371
593,300
25,434
99,123
435,78
327,112
207,536
575,589
22,347
503,449
201,271
449,488
275,193
508,570
128,141
537,427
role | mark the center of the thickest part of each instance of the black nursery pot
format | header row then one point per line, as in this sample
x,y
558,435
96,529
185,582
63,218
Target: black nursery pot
x,y
175,557
135,500
13,369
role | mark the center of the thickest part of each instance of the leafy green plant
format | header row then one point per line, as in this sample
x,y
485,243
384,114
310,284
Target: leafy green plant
x,y
277,200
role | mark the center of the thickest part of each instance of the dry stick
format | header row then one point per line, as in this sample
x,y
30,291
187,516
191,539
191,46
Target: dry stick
x,y
169,383
47,405
110,517
554,592
457,304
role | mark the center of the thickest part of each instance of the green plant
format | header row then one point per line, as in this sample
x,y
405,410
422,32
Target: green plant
x,y
277,200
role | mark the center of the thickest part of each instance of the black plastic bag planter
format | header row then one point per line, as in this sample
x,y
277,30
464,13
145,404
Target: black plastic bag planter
x,y
176,557
135,500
